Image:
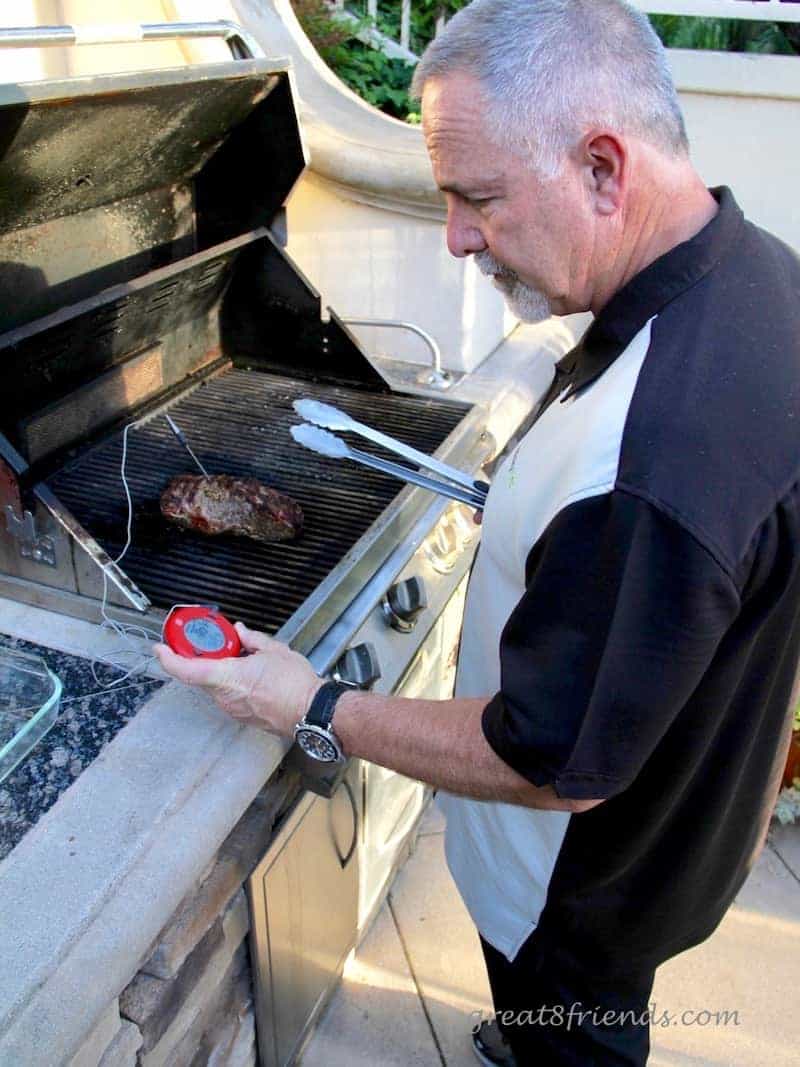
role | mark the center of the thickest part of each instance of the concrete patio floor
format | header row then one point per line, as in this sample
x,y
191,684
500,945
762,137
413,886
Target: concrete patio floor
x,y
407,994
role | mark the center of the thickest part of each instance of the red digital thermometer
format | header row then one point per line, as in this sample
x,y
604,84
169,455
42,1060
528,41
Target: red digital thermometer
x,y
197,631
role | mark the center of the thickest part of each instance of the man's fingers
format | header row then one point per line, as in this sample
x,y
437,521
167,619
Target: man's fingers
x,y
252,640
190,671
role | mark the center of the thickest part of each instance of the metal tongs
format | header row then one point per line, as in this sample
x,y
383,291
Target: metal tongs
x,y
465,489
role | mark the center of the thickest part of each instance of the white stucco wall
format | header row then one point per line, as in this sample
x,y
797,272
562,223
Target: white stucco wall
x,y
743,119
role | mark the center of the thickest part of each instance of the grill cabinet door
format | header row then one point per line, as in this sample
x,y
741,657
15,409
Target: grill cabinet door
x,y
304,900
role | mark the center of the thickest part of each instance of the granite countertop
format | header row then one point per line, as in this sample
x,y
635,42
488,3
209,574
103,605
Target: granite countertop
x,y
89,717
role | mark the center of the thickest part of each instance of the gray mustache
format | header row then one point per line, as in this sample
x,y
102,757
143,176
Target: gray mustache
x,y
489,266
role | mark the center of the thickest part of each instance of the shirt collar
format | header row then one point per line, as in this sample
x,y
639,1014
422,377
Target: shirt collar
x,y
649,292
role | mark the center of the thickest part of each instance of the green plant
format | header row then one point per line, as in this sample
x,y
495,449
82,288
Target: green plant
x,y
325,32
424,15
727,35
676,31
381,80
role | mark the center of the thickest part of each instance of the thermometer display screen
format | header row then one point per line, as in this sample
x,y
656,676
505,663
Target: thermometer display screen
x,y
205,635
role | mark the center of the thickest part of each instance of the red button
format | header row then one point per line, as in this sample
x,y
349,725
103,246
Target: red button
x,y
199,632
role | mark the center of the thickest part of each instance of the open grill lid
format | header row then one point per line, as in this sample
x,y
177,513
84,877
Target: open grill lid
x,y
104,179
135,249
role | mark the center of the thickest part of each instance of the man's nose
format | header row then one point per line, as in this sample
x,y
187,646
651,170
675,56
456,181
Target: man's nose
x,y
463,238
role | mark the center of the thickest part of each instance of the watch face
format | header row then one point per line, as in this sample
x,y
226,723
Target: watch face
x,y
317,745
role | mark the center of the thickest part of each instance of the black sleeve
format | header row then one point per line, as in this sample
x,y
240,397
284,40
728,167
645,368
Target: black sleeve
x,y
622,614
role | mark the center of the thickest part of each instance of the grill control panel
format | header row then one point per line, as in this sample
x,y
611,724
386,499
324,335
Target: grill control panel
x,y
421,589
380,654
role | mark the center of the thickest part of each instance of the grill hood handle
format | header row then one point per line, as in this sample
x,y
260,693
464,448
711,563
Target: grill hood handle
x,y
241,44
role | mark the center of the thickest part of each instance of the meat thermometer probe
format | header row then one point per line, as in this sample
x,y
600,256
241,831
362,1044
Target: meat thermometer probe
x,y
198,631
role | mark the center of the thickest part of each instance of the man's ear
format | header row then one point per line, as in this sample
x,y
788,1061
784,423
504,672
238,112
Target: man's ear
x,y
604,159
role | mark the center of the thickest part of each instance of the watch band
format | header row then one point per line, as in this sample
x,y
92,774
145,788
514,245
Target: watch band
x,y
323,705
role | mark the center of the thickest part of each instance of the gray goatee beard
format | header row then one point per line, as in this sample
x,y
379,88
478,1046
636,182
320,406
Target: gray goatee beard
x,y
527,303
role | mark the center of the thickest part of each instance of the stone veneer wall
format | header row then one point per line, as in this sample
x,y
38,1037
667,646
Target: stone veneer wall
x,y
191,1002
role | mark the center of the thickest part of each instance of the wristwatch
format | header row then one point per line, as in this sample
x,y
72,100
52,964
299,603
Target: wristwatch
x,y
314,733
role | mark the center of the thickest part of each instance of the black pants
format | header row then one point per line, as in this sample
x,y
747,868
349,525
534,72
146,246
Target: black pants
x,y
550,1007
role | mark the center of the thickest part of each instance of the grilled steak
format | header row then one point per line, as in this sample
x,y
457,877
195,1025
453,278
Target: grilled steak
x,y
221,504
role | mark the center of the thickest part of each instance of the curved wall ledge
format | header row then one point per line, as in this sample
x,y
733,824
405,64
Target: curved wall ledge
x,y
363,153
365,222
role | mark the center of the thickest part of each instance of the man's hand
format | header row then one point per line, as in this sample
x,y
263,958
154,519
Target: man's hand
x,y
272,688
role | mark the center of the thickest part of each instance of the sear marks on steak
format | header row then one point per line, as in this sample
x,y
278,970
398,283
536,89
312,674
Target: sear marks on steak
x,y
218,503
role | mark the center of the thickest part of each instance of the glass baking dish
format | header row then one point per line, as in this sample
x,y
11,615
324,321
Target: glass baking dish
x,y
30,695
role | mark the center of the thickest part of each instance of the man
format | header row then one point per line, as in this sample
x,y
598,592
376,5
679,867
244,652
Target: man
x,y
632,626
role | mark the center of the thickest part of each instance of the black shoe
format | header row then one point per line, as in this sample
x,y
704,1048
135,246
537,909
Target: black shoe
x,y
491,1047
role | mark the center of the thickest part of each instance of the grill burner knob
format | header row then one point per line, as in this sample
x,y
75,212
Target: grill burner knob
x,y
403,603
463,524
358,667
442,547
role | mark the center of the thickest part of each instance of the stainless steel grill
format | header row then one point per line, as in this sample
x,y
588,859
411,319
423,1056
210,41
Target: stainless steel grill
x,y
238,423
146,277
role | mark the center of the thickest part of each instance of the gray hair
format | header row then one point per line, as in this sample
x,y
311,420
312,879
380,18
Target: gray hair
x,y
552,69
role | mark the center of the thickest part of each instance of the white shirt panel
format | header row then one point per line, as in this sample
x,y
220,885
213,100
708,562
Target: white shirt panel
x,y
502,855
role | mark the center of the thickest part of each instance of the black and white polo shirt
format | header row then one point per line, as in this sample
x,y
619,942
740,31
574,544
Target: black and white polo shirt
x,y
635,607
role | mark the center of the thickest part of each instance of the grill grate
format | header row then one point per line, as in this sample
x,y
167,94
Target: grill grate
x,y
238,423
